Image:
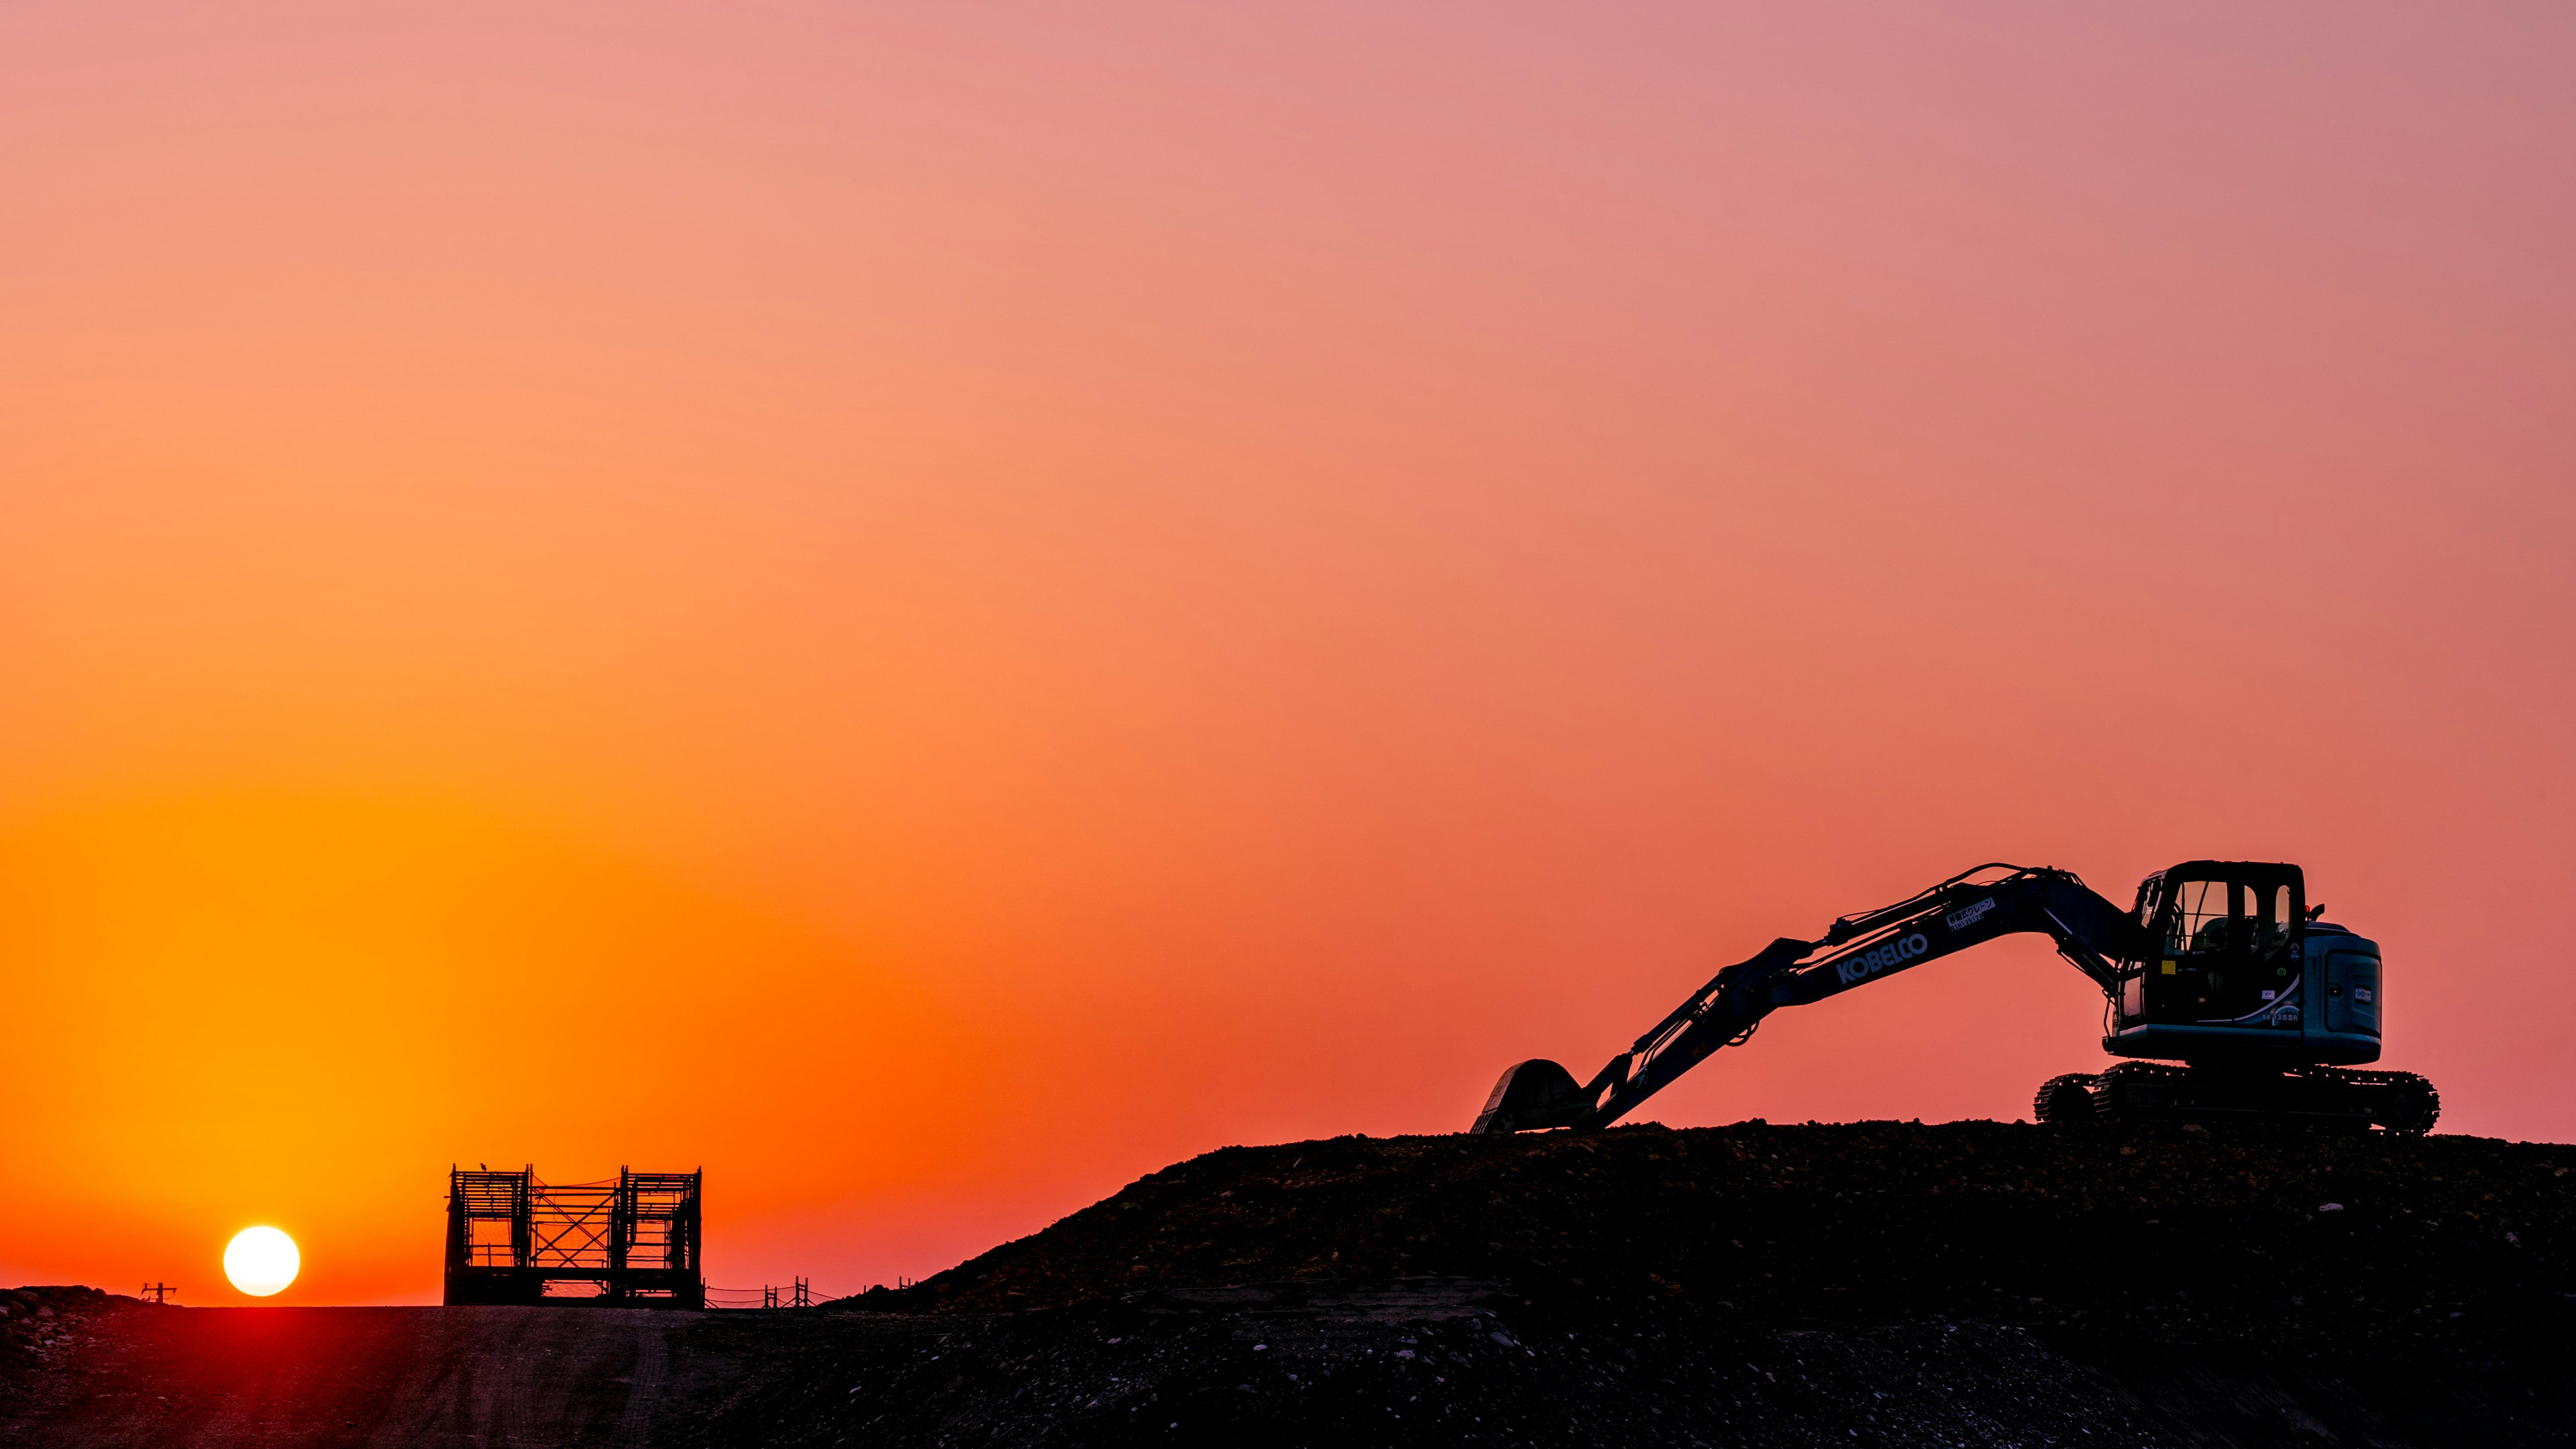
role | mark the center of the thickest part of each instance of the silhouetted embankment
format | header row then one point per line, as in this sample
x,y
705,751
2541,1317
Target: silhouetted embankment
x,y
1879,1283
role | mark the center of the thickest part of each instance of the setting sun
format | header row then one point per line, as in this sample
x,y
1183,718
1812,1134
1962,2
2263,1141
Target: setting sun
x,y
261,1261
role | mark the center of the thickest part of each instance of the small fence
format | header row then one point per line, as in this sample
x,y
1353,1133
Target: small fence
x,y
799,1293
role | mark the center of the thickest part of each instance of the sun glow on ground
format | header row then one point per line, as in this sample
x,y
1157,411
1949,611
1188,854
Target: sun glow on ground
x,y
261,1261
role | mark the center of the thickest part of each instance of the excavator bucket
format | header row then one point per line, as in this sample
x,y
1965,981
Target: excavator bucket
x,y
1536,1093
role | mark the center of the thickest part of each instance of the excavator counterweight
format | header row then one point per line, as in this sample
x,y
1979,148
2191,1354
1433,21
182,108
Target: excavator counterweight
x,y
2220,966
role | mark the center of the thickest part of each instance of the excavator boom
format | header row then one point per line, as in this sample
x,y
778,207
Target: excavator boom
x,y
1966,910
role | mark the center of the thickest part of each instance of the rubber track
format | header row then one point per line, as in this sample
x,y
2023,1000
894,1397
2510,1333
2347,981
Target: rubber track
x,y
2039,1099
2185,1082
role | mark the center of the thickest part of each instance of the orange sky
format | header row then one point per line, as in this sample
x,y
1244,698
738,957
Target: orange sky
x,y
934,608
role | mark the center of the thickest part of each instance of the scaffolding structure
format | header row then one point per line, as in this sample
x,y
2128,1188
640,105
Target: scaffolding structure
x,y
631,1242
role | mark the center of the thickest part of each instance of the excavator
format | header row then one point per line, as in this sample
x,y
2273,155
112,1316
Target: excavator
x,y
2235,1002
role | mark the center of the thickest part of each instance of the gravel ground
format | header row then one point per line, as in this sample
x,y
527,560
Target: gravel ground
x,y
1422,1362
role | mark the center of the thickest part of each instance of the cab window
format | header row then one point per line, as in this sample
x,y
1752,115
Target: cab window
x,y
2279,921
2224,950
2202,921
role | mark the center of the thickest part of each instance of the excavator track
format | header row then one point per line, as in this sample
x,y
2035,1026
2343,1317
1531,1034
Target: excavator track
x,y
2402,1101
2334,1098
2066,1101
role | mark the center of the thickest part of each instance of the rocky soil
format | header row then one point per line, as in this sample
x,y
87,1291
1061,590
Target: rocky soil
x,y
43,1326
1871,1284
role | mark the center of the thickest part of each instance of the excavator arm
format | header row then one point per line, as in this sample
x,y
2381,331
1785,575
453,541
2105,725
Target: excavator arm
x,y
1966,910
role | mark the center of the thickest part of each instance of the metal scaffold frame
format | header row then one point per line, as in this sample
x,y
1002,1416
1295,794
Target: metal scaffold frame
x,y
632,1242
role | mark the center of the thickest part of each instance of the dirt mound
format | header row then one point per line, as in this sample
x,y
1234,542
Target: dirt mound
x,y
2294,1240
1879,1283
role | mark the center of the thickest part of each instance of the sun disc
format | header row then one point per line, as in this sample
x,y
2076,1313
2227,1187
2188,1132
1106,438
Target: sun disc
x,y
261,1261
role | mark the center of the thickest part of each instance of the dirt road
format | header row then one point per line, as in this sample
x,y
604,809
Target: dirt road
x,y
288,1378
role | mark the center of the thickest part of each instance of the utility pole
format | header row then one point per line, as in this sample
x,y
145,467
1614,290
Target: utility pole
x,y
804,1294
156,1292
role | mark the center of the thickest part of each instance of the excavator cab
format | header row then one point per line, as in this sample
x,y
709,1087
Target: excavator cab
x,y
2218,969
2220,945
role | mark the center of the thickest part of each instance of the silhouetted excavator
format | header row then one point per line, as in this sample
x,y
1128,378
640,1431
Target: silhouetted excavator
x,y
2222,967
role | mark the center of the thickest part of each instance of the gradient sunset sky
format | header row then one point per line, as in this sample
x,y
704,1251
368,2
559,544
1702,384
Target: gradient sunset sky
x,y
933,607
